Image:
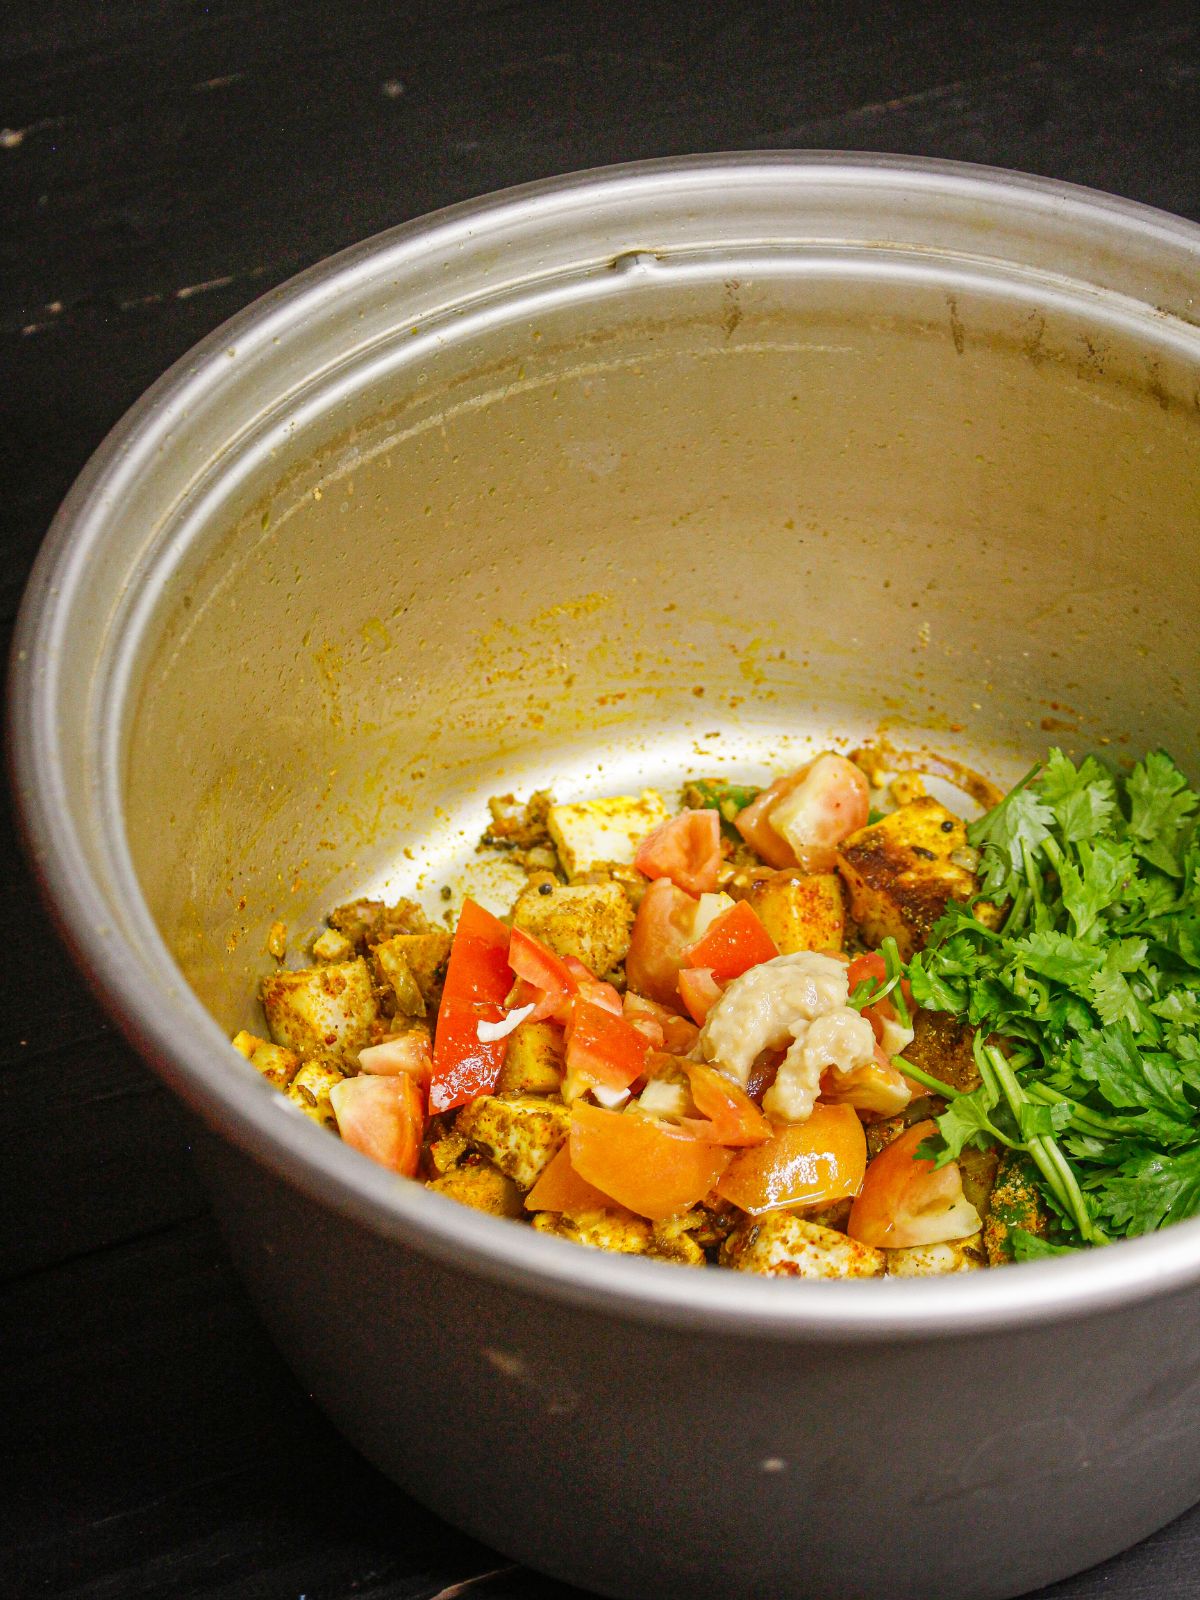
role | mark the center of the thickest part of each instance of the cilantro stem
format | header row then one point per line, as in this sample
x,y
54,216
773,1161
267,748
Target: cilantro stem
x,y
1083,1117
1017,912
919,1075
894,967
1044,1150
1032,875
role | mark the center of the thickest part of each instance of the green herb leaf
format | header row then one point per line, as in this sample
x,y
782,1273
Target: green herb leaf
x,y
1152,1189
1160,804
1032,1247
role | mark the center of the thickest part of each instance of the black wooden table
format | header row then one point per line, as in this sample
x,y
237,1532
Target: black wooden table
x,y
162,162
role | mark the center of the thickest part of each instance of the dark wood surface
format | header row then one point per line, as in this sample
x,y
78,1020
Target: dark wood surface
x,y
163,162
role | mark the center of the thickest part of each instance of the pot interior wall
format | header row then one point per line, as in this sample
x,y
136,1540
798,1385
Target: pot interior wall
x,y
678,522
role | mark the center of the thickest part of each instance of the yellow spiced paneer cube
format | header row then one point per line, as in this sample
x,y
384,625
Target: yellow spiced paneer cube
x,y
801,911
520,1133
533,1062
590,921
326,1010
900,872
590,834
277,1065
783,1245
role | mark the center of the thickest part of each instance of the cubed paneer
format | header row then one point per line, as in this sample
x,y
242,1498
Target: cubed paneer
x,y
597,833
422,956
590,921
801,911
533,1062
277,1065
934,1260
782,1245
309,1089
482,1186
325,1010
1014,1203
620,1231
941,1046
332,946
900,872
520,1133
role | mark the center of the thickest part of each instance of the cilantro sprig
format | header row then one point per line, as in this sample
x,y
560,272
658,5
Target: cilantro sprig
x,y
1085,998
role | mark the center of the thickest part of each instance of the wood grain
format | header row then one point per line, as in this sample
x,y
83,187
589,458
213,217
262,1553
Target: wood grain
x,y
161,164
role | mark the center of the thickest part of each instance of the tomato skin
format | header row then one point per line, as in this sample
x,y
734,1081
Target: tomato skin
x,y
733,1118
560,1188
831,800
383,1118
699,991
644,1165
591,988
547,980
733,943
803,1163
753,824
603,1048
799,820
408,1052
686,849
904,1201
478,980
662,931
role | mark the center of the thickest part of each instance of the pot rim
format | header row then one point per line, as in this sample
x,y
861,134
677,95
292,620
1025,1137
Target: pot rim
x,y
167,1025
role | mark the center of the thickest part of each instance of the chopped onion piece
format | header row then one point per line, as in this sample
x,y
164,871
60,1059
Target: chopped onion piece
x,y
489,1032
610,1099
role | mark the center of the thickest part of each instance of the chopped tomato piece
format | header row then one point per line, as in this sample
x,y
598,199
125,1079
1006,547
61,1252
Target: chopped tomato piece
x,y
801,817
550,983
733,944
642,1164
406,1052
803,1163
560,1188
686,849
383,1117
904,1201
603,1048
662,931
644,1015
733,1118
879,1086
592,988
664,1029
478,979
831,801
699,991
753,823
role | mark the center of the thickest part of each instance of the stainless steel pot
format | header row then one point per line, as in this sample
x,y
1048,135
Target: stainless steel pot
x,y
628,474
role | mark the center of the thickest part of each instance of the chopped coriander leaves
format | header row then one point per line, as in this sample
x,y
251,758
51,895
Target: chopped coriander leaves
x,y
1087,1001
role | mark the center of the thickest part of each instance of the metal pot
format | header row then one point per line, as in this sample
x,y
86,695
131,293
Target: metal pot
x,y
594,483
